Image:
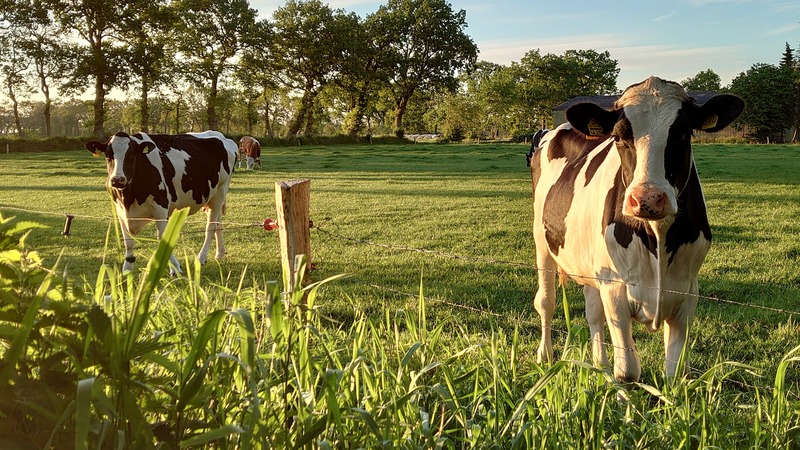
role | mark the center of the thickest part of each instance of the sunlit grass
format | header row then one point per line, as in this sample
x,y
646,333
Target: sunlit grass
x,y
472,202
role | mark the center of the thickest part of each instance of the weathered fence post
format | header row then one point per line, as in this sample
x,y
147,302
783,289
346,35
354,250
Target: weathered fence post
x,y
292,204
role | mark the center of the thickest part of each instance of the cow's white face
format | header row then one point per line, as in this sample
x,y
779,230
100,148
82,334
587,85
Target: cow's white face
x,y
652,125
652,136
121,153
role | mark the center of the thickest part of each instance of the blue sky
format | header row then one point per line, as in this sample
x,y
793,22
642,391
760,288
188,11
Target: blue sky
x,y
669,39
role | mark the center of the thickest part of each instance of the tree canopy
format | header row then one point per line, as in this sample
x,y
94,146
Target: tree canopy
x,y
410,66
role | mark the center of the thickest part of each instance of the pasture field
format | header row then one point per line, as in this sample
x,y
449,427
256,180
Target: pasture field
x,y
455,222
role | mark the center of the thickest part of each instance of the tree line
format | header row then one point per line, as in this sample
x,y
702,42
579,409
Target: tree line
x,y
309,69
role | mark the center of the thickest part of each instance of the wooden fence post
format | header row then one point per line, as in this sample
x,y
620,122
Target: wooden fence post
x,y
292,204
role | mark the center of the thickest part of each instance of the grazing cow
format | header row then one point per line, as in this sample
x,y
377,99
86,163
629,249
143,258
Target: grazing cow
x,y
150,176
250,149
618,208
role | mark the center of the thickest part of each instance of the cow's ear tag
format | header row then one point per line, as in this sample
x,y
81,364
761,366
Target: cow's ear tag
x,y
146,150
595,129
710,122
96,153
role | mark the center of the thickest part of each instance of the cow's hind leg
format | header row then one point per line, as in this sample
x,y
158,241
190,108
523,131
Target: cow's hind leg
x,y
545,304
596,317
213,228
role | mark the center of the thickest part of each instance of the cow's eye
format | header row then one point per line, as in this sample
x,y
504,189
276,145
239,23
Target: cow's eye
x,y
616,138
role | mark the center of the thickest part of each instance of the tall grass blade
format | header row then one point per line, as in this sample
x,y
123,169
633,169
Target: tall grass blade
x,y
156,268
83,409
20,342
540,384
211,436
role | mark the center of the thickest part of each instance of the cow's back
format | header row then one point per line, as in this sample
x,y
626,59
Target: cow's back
x,y
200,164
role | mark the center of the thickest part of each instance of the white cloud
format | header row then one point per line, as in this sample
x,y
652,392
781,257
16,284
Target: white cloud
x,y
664,17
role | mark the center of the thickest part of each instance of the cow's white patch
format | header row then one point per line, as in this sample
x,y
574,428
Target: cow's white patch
x,y
651,107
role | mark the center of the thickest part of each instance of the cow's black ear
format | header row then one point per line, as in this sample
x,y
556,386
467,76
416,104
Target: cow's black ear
x,y
97,148
148,147
591,119
717,113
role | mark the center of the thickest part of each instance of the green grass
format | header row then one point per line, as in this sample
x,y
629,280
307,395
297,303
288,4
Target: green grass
x,y
478,329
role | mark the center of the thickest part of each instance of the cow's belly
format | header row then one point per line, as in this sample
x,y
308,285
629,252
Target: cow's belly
x,y
137,216
632,271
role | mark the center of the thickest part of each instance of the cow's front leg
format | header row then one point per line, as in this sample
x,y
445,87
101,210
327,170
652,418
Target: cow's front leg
x,y
127,239
618,315
596,317
174,264
545,304
676,331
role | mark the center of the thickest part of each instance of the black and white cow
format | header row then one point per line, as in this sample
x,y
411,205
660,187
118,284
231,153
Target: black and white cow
x,y
618,207
150,176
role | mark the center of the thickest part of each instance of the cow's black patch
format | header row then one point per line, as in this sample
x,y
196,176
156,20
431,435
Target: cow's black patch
x,y
692,218
573,146
202,168
595,163
143,179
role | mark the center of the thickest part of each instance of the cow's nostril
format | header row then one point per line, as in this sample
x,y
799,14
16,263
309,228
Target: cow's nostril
x,y
633,202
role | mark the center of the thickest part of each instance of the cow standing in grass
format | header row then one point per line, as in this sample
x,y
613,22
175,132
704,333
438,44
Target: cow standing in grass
x,y
618,207
150,176
250,149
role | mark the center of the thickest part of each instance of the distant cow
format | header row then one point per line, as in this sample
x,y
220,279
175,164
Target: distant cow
x,y
250,149
619,208
152,175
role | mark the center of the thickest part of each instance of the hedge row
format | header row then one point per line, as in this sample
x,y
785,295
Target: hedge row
x,y
55,144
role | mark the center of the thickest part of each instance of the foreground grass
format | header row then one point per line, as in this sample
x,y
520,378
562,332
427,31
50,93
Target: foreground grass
x,y
469,201
148,362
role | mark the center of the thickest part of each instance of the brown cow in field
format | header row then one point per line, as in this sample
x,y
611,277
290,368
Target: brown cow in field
x,y
250,150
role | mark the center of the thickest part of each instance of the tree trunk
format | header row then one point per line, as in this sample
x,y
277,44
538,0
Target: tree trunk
x,y
144,106
211,107
99,107
15,106
47,103
400,110
178,115
357,115
267,124
309,120
299,116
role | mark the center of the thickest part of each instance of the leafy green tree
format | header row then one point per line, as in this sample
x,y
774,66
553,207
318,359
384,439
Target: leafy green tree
x,y
255,74
13,64
787,60
545,81
210,34
706,80
100,56
425,44
311,43
770,93
49,57
150,52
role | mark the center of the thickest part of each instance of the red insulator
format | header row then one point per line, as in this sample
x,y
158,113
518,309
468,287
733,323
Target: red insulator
x,y
270,224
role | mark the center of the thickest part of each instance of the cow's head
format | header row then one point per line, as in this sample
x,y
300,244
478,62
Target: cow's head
x,y
651,125
121,152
